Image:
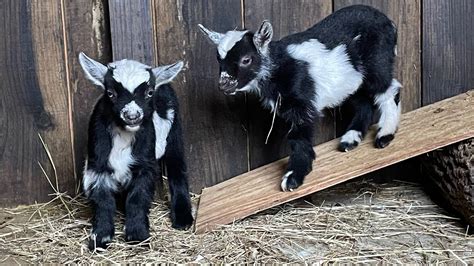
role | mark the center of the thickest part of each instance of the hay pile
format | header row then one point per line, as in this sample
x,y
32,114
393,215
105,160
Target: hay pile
x,y
354,222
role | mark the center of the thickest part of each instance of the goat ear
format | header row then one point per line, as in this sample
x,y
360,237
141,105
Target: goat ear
x,y
214,37
165,74
94,70
263,36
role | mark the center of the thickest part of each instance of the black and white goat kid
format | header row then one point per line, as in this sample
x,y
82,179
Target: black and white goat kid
x,y
347,57
133,125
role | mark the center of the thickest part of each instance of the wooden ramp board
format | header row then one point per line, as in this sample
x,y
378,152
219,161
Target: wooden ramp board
x,y
421,131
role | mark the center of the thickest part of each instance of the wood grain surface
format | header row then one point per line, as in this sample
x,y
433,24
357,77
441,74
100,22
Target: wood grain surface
x,y
213,123
422,130
448,48
87,30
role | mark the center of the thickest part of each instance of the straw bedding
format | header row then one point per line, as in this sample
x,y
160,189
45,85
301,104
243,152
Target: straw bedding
x,y
360,221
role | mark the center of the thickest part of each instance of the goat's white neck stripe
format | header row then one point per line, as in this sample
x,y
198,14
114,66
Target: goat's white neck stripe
x,y
162,129
228,41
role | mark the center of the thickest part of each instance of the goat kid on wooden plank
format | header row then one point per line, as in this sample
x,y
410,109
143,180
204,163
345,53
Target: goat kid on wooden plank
x,y
133,125
347,57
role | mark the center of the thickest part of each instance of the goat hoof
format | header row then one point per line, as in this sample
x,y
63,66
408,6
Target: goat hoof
x,y
346,146
135,234
98,242
289,182
183,221
384,141
181,213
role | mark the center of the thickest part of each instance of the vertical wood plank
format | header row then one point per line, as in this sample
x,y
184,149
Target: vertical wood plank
x,y
131,30
47,27
448,53
87,30
34,100
406,14
213,124
287,17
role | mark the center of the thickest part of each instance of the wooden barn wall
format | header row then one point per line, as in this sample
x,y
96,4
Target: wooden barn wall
x,y
44,94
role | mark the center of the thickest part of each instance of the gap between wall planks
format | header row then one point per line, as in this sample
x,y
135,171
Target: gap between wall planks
x,y
421,131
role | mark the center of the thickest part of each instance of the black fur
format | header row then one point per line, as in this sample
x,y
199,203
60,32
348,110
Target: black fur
x,y
369,38
138,192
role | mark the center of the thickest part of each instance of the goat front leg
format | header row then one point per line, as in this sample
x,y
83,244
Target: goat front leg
x,y
102,200
301,156
137,205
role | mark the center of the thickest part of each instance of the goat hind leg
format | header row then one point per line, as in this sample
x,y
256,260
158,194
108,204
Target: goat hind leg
x,y
363,113
388,104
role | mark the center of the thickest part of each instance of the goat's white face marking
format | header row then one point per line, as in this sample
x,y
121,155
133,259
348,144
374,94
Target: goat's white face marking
x,y
225,75
389,110
162,129
228,40
334,76
133,108
130,73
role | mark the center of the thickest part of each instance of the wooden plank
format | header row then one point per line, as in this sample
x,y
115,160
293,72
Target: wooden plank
x,y
215,140
407,16
87,31
287,17
447,48
131,30
422,130
34,100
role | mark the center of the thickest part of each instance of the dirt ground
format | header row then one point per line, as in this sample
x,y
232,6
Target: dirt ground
x,y
359,221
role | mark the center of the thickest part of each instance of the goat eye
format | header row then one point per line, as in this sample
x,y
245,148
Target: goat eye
x,y
110,94
246,61
149,93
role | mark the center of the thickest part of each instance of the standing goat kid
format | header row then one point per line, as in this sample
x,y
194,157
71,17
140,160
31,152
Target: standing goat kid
x,y
347,57
134,124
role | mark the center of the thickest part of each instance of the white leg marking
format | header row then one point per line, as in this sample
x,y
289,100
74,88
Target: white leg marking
x,y
106,239
389,110
162,129
285,180
352,136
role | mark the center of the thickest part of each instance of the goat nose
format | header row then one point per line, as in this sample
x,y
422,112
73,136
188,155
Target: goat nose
x,y
223,82
132,115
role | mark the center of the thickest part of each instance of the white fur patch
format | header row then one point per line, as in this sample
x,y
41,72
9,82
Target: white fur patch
x,y
130,73
131,107
284,181
334,76
225,75
92,179
228,40
120,158
352,136
162,129
389,110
